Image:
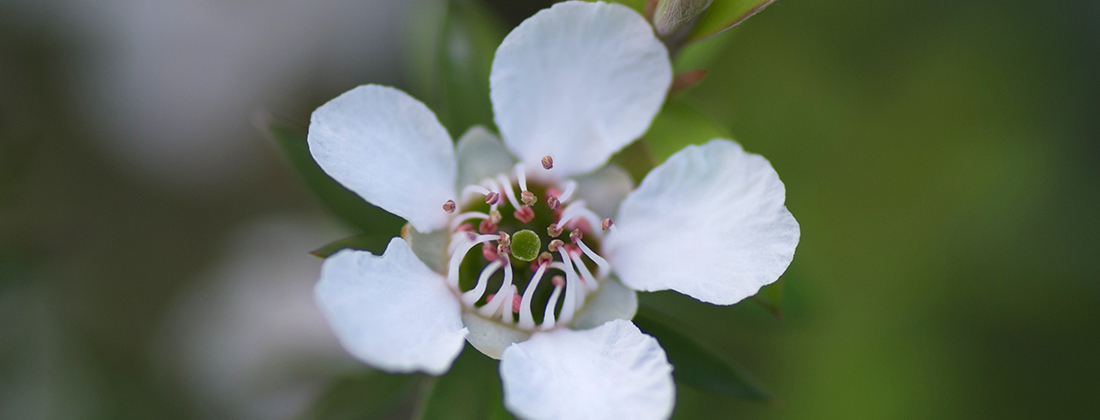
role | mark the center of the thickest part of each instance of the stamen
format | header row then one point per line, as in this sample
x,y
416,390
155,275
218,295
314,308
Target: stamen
x,y
505,239
487,226
589,279
494,216
466,216
526,319
525,214
547,162
492,197
554,230
606,224
506,185
473,189
551,304
517,301
571,283
602,264
570,186
449,206
489,252
578,210
544,258
463,246
502,295
521,176
555,244
528,198
471,297
575,235
465,227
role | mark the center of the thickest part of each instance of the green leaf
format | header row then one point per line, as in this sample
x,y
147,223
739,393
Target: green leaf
x,y
453,63
694,365
343,203
470,390
769,296
376,244
373,395
725,14
680,124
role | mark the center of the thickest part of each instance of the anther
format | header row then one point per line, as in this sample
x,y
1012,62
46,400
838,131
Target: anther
x,y
528,198
525,214
494,217
544,258
606,224
505,239
486,227
465,227
489,252
492,197
553,202
449,206
575,235
555,244
553,230
504,249
558,281
547,162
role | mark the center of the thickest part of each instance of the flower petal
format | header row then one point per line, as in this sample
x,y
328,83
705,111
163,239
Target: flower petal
x,y
390,149
611,301
491,337
709,222
391,312
578,82
604,189
609,372
480,155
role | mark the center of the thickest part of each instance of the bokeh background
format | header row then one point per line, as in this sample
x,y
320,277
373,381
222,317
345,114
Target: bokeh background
x,y
942,157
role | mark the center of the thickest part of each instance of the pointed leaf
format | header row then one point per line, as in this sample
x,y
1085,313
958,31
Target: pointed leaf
x,y
725,14
470,390
453,63
695,366
343,203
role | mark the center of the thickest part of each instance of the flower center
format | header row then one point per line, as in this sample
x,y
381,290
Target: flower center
x,y
539,250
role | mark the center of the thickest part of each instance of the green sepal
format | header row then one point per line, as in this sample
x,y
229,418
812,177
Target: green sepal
x,y
694,365
725,14
769,296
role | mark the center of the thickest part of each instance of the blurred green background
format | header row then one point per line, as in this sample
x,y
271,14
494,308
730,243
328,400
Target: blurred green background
x,y
942,158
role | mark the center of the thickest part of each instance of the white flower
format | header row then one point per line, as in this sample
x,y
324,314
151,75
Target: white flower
x,y
570,86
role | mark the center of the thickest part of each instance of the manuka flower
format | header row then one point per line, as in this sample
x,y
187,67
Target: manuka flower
x,y
512,246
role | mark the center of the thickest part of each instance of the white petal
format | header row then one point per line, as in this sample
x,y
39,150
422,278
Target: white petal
x,y
611,301
609,372
709,222
491,337
480,155
578,82
391,312
604,189
390,149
